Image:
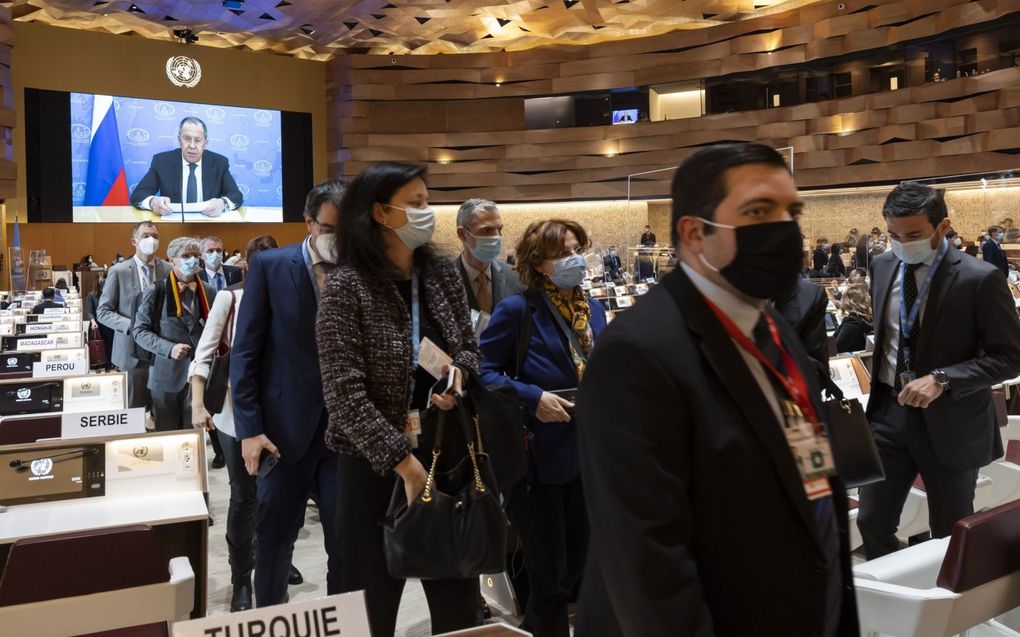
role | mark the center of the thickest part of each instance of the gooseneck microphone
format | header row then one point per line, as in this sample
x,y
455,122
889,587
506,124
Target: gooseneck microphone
x,y
19,463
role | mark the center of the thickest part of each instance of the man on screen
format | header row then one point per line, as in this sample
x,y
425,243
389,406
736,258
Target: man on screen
x,y
190,176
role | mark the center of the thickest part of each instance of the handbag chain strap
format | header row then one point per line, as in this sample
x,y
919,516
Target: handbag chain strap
x,y
430,482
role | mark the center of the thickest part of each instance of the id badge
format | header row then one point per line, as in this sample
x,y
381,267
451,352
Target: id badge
x,y
906,378
413,427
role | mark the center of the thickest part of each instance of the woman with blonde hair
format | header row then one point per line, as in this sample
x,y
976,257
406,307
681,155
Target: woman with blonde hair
x,y
851,335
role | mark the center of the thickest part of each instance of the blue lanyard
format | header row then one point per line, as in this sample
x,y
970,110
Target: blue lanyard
x,y
908,318
415,334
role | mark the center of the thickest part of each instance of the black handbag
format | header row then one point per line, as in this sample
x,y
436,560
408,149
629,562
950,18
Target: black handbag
x,y
456,528
853,445
502,431
217,383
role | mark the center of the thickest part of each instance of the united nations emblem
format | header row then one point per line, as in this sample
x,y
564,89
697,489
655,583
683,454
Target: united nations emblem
x,y
183,71
42,467
12,362
24,393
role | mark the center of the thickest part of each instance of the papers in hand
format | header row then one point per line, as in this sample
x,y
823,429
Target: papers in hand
x,y
432,359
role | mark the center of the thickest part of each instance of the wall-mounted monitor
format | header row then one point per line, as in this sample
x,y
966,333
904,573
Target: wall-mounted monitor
x,y
109,158
625,116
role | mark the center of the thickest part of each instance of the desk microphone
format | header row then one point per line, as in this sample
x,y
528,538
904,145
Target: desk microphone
x,y
18,463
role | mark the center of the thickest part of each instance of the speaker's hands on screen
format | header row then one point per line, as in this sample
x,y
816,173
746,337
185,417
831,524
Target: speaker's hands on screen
x,y
213,208
161,206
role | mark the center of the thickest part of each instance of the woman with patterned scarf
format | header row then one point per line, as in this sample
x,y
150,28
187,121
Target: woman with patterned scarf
x,y
554,325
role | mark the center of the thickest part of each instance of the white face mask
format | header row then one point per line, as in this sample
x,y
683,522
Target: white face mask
x,y
913,252
421,224
148,246
325,245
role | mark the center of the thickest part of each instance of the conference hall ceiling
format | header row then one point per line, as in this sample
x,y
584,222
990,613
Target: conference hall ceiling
x,y
318,29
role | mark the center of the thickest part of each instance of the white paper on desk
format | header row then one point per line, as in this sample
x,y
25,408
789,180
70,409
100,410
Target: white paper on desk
x,y
432,359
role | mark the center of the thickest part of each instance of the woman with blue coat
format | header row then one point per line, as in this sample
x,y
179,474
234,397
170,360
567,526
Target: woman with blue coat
x,y
561,325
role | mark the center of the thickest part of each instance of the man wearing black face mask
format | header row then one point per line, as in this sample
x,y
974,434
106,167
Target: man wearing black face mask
x,y
931,399
694,405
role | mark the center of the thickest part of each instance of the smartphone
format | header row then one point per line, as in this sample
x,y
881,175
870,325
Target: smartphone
x,y
267,462
569,395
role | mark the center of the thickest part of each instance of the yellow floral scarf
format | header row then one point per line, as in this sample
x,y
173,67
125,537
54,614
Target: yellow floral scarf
x,y
577,314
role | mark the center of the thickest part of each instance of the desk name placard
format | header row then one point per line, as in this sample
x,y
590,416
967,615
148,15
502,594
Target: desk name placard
x,y
55,369
331,616
109,422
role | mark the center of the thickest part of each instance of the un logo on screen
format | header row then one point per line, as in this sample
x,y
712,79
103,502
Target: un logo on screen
x,y
78,190
163,110
42,467
183,71
239,141
80,132
279,143
137,136
12,362
24,393
215,114
245,190
279,191
262,118
262,167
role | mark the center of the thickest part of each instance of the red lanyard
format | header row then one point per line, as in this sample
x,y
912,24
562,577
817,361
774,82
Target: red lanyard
x,y
794,384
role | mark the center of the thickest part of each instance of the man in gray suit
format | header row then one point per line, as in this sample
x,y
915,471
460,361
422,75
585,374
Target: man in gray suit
x,y
169,323
487,279
946,330
124,284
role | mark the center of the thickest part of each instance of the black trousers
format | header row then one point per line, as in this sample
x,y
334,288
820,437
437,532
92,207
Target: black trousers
x,y
362,499
905,447
552,522
171,410
241,512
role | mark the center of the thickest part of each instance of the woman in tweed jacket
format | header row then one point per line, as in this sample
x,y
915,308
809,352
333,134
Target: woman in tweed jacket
x,y
370,382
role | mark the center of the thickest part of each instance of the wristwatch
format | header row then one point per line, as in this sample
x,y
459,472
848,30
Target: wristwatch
x,y
941,378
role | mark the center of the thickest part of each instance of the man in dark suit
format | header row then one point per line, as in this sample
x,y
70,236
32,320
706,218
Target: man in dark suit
x,y
991,250
648,238
169,323
803,306
48,302
277,393
125,282
931,399
487,279
188,176
678,478
611,263
216,273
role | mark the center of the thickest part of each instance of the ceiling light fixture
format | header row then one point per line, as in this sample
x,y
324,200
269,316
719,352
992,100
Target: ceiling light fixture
x,y
307,29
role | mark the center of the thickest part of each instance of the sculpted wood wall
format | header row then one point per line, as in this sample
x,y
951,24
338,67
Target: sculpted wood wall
x,y
8,167
448,111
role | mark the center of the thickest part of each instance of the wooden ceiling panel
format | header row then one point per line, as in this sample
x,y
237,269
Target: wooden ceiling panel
x,y
320,28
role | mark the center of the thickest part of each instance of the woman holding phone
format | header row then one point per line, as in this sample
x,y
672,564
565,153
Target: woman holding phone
x,y
390,292
547,509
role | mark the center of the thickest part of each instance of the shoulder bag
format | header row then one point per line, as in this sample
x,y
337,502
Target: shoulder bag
x,y
219,369
853,445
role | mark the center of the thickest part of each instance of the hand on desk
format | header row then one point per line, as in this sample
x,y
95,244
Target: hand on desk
x,y
213,208
251,451
161,206
920,392
201,419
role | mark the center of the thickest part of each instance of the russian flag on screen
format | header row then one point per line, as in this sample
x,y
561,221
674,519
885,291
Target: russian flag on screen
x,y
105,184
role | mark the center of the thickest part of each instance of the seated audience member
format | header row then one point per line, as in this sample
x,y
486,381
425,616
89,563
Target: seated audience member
x,y
169,324
857,321
972,250
851,239
612,264
835,267
61,284
991,250
48,302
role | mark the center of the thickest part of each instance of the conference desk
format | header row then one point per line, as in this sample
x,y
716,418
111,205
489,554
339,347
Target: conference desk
x,y
130,214
166,496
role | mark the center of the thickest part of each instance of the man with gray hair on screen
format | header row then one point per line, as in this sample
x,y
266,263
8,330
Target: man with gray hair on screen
x,y
487,279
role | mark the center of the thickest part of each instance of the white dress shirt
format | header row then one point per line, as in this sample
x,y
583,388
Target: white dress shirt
x,y
143,281
212,277
472,274
891,346
227,204
745,316
214,325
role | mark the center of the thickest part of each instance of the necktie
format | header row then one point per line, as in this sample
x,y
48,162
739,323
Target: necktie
x,y
147,270
483,292
763,339
908,340
220,284
192,185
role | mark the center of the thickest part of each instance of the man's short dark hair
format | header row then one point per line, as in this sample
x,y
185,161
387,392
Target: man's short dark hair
x,y
137,228
911,198
193,120
49,293
331,191
699,184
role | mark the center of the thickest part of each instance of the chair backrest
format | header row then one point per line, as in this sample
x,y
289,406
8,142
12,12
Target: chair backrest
x,y
82,563
22,430
999,402
984,547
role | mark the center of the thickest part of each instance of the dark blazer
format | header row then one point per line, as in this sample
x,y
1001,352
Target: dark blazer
x,y
852,334
232,275
92,306
970,331
819,260
683,461
166,374
505,282
804,309
45,305
835,267
274,363
648,239
548,366
992,253
612,265
165,174
364,335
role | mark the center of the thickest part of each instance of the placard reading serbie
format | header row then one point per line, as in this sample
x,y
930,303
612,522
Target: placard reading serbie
x,y
331,616
111,422
54,369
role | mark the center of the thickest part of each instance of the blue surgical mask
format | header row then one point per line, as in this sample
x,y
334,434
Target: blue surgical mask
x,y
486,248
569,272
213,260
421,224
189,266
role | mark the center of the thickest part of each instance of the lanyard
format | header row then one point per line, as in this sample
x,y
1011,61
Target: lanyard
x,y
794,384
415,330
908,318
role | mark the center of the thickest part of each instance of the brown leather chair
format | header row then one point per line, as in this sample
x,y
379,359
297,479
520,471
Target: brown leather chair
x,y
984,547
20,430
